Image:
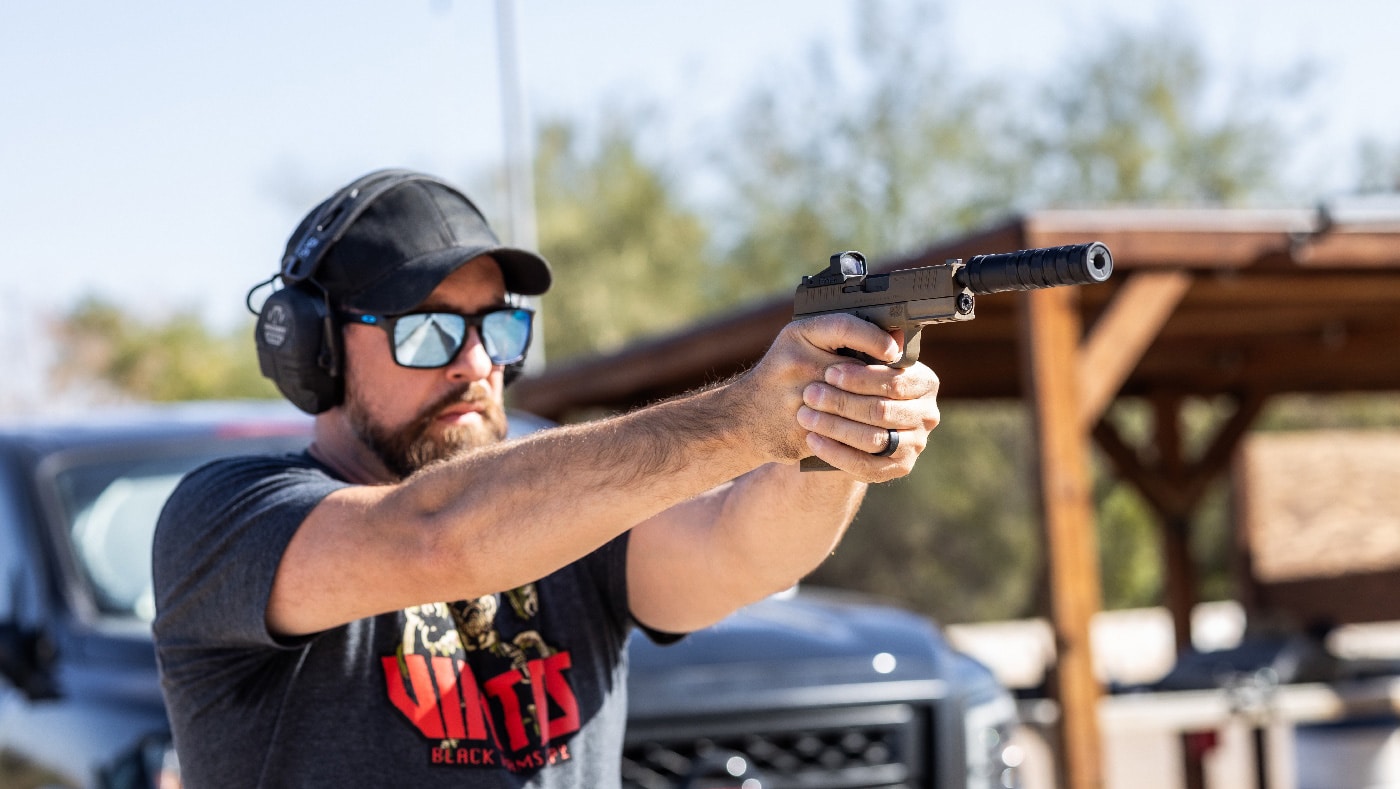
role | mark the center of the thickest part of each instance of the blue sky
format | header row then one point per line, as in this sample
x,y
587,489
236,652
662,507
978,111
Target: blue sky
x,y
160,152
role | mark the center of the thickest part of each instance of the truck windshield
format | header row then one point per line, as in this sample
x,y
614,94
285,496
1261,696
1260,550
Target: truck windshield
x,y
110,505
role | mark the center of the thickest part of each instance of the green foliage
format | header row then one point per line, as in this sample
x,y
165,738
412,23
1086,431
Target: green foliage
x,y
628,259
1135,121
957,538
1130,558
883,151
1331,412
175,358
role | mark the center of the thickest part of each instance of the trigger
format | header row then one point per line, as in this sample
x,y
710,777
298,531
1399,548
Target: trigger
x,y
911,348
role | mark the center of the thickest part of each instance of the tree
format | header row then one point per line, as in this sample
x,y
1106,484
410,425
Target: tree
x,y
174,358
954,538
1135,121
880,151
628,258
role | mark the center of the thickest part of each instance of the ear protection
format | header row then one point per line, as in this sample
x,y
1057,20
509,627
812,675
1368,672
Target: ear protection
x,y
299,349
297,335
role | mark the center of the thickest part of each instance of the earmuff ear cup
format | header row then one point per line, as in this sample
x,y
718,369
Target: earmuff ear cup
x,y
299,350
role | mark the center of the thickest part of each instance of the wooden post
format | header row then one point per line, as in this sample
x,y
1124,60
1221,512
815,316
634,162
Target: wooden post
x,y
1180,577
1050,346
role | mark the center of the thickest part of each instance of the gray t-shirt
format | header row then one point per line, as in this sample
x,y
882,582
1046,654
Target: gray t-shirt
x,y
525,688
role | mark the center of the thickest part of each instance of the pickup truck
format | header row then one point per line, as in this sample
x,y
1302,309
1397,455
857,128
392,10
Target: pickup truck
x,y
809,689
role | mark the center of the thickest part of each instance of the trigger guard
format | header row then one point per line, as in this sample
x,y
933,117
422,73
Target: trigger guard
x,y
867,359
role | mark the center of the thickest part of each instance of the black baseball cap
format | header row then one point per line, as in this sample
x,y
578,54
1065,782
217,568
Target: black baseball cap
x,y
408,232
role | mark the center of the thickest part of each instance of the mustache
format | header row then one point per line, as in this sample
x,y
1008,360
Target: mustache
x,y
473,393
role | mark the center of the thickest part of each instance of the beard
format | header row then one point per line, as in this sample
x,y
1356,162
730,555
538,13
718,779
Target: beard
x,y
409,448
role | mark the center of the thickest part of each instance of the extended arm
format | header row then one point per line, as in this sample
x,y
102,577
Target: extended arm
x,y
695,563
493,519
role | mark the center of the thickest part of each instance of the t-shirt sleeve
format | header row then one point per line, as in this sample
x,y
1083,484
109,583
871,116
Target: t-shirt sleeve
x,y
218,543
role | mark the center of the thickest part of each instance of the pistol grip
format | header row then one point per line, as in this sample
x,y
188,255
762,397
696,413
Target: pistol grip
x,y
910,355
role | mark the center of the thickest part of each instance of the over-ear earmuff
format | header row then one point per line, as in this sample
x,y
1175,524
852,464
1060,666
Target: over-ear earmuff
x,y
297,333
299,349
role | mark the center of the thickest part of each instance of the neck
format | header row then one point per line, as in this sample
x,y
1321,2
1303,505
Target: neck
x,y
335,443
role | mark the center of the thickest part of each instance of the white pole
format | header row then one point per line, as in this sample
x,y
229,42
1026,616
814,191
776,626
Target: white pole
x,y
520,188
520,175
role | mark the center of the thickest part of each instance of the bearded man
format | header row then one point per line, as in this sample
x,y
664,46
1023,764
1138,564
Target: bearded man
x,y
288,587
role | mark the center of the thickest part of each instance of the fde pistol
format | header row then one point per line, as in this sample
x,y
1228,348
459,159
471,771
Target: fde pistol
x,y
911,299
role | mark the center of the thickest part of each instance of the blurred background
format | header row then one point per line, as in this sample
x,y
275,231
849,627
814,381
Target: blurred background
x,y
679,161
155,156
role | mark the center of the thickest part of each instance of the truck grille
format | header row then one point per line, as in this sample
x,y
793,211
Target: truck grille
x,y
837,748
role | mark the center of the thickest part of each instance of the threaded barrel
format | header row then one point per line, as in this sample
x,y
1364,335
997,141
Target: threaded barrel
x,y
1076,264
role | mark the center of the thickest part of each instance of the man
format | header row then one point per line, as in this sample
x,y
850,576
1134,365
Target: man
x,y
414,601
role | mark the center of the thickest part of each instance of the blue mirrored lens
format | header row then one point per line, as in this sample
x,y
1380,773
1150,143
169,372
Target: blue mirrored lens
x,y
506,335
428,340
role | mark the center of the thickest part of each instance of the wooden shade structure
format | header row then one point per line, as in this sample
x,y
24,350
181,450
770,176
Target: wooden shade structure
x,y
1237,304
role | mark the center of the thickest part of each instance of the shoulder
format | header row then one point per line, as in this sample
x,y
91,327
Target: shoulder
x,y
238,487
287,462
233,474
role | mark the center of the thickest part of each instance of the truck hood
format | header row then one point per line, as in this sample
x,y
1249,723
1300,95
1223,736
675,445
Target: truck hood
x,y
815,648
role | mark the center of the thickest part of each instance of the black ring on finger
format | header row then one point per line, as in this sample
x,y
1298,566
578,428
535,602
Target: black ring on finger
x,y
890,446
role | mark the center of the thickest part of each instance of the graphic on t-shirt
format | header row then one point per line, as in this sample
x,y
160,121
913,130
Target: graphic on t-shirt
x,y
483,689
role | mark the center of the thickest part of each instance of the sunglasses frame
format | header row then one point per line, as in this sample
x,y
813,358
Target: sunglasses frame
x,y
474,320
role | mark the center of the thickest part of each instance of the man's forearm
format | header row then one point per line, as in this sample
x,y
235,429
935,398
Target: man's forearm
x,y
520,510
697,562
802,521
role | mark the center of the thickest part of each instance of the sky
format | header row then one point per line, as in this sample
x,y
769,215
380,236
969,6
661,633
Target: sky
x,y
159,153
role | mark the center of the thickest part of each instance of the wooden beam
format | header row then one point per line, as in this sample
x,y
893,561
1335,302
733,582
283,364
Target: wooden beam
x,y
1177,488
1351,247
1174,486
1128,462
1216,459
1123,333
1362,358
1050,347
1353,597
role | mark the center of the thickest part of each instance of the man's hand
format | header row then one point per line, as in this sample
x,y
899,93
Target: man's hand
x,y
805,399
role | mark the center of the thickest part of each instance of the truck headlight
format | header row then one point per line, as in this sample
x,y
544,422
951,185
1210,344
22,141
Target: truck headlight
x,y
991,757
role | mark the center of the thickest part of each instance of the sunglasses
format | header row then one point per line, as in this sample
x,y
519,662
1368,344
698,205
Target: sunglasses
x,y
433,339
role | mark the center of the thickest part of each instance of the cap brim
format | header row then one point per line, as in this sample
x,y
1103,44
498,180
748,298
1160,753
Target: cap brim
x,y
405,287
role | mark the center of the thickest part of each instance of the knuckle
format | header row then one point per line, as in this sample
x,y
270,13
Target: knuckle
x,y
833,399
884,412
